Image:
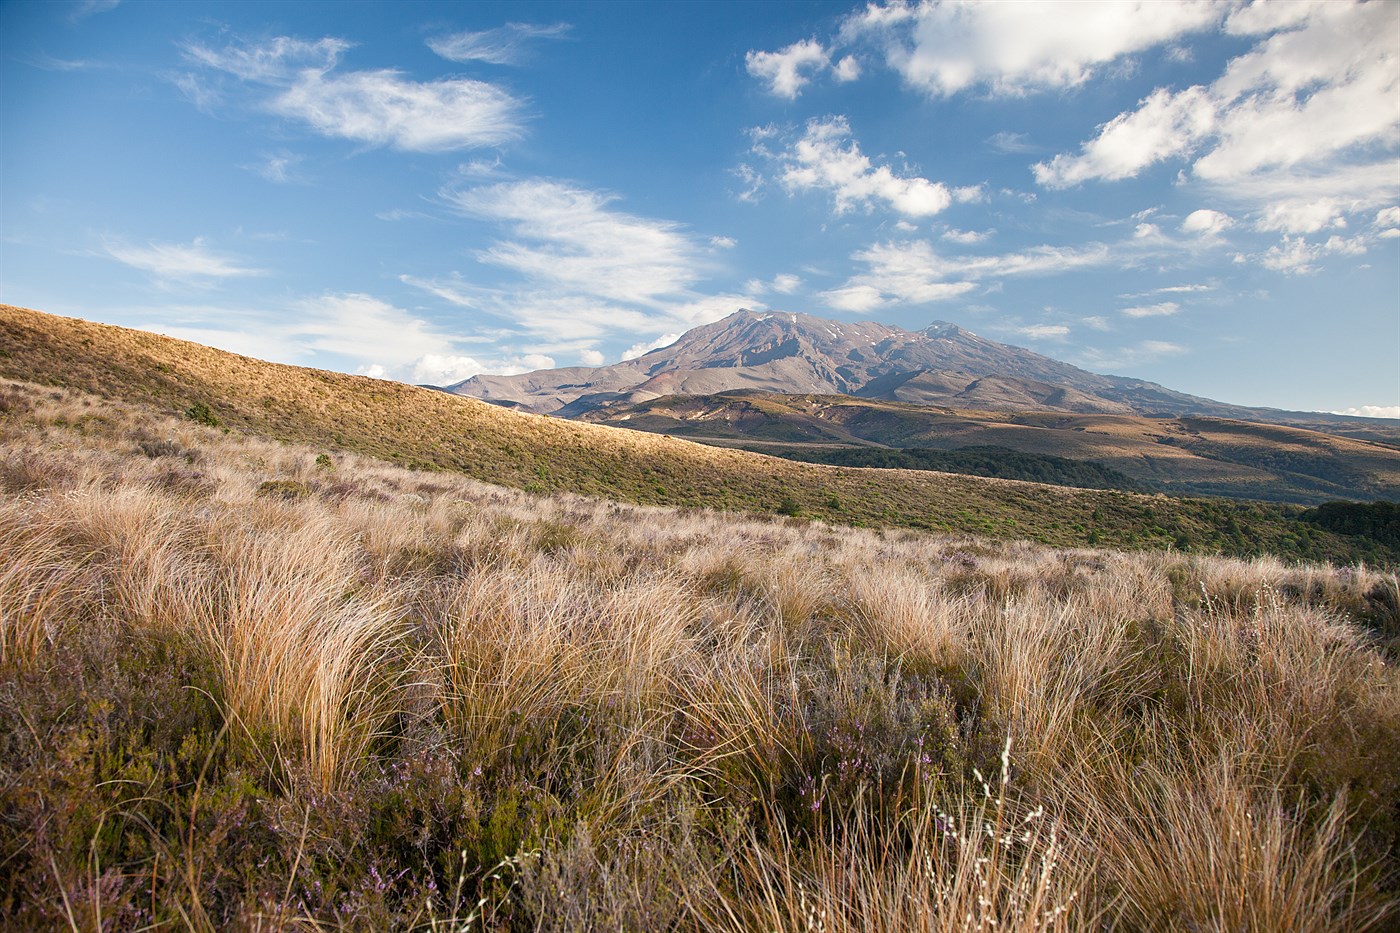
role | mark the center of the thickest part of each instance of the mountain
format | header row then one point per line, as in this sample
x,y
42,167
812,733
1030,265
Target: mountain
x,y
431,431
790,353
1184,456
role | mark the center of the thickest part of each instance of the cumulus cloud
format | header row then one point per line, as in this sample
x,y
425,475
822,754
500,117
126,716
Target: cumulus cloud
x,y
788,70
591,358
1300,131
847,69
190,263
1298,256
941,48
1208,223
854,298
827,158
506,45
1166,124
380,107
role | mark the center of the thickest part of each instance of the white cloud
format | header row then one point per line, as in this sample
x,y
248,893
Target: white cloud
x,y
826,158
966,237
1009,142
942,48
379,107
1297,256
85,8
572,239
640,349
1119,358
591,358
383,108
1388,217
784,284
1371,411
1207,223
1163,126
1160,309
1097,322
855,298
505,45
280,168
178,262
787,70
847,69
276,61
913,272
905,226
1301,130
723,242
1043,331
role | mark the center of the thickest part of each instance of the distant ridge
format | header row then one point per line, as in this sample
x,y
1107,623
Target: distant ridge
x,y
798,354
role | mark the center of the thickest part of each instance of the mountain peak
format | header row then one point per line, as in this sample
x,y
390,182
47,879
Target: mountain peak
x,y
943,329
798,354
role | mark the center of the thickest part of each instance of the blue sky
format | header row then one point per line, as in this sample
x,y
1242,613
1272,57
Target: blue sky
x,y
1205,195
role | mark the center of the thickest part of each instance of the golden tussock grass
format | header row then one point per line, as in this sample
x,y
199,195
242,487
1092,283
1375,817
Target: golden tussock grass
x,y
245,685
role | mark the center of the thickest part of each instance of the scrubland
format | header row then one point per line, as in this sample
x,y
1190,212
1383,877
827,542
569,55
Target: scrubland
x,y
253,685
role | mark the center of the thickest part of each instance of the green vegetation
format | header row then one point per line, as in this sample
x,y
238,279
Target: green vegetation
x,y
406,700
1376,521
201,413
1000,462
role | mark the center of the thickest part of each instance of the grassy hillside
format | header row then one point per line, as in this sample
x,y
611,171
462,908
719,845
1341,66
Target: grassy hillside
x,y
1182,456
430,430
252,685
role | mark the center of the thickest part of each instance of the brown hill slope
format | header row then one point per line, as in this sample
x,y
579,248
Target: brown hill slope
x,y
432,430
1184,456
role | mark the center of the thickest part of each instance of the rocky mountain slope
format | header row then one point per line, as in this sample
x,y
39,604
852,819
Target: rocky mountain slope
x,y
784,352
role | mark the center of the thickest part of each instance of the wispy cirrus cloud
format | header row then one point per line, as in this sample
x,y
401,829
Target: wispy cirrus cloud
x,y
189,263
510,44
381,107
587,270
359,332
574,238
913,272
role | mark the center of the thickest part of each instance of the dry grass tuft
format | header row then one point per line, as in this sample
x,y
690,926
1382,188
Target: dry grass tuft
x,y
414,701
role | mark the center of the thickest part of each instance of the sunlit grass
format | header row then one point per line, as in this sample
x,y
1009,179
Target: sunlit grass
x,y
408,700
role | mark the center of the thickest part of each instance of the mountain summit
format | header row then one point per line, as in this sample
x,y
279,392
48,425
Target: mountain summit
x,y
792,353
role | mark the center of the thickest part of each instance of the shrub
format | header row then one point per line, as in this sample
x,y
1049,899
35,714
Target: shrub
x,y
201,413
